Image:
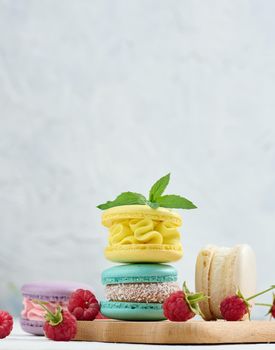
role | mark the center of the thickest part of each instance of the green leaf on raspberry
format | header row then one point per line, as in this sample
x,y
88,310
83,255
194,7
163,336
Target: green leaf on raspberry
x,y
240,295
193,300
248,306
53,318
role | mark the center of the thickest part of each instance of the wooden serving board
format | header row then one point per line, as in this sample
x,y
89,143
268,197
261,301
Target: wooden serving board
x,y
165,332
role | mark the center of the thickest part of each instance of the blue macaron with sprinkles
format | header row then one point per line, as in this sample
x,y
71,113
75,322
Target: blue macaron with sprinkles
x,y
137,291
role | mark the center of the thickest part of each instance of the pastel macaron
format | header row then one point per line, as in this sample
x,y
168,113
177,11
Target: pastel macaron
x,y
137,291
54,293
138,234
220,271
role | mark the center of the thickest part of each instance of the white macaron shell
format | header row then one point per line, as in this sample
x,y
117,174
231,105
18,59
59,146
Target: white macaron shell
x,y
245,271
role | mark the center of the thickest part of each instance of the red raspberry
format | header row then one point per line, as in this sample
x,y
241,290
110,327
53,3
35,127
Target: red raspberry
x,y
6,324
175,307
60,328
272,307
59,325
182,305
233,308
83,305
271,311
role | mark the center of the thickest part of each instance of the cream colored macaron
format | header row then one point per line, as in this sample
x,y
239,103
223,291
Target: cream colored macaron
x,y
220,271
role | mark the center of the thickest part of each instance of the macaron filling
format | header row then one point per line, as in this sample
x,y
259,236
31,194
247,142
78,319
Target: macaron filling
x,y
33,311
140,292
143,231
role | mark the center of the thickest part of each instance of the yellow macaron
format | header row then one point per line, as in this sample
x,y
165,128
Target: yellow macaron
x,y
138,233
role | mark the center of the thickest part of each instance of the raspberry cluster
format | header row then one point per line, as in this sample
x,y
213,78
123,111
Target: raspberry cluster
x,y
61,325
183,305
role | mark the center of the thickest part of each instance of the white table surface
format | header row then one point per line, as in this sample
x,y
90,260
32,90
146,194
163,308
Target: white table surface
x,y
19,340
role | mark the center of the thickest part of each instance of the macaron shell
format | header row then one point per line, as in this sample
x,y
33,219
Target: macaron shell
x,y
137,212
32,327
139,273
132,311
149,253
203,264
51,290
246,271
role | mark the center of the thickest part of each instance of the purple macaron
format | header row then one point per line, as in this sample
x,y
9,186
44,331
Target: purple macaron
x,y
55,292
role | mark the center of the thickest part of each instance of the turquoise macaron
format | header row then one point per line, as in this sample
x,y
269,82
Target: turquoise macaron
x,y
137,291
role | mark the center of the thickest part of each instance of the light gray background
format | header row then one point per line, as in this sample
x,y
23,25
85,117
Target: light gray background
x,y
99,97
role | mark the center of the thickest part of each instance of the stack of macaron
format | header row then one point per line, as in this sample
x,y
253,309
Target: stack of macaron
x,y
143,237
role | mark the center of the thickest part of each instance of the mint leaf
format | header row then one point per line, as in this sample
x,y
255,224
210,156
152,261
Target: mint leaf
x,y
125,198
174,201
158,188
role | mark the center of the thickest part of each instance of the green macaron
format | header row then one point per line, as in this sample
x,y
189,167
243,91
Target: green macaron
x,y
137,291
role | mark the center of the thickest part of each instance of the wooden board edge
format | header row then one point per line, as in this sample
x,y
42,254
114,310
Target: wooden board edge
x,y
165,332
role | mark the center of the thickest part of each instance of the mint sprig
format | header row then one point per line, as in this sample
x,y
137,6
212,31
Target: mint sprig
x,y
155,198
